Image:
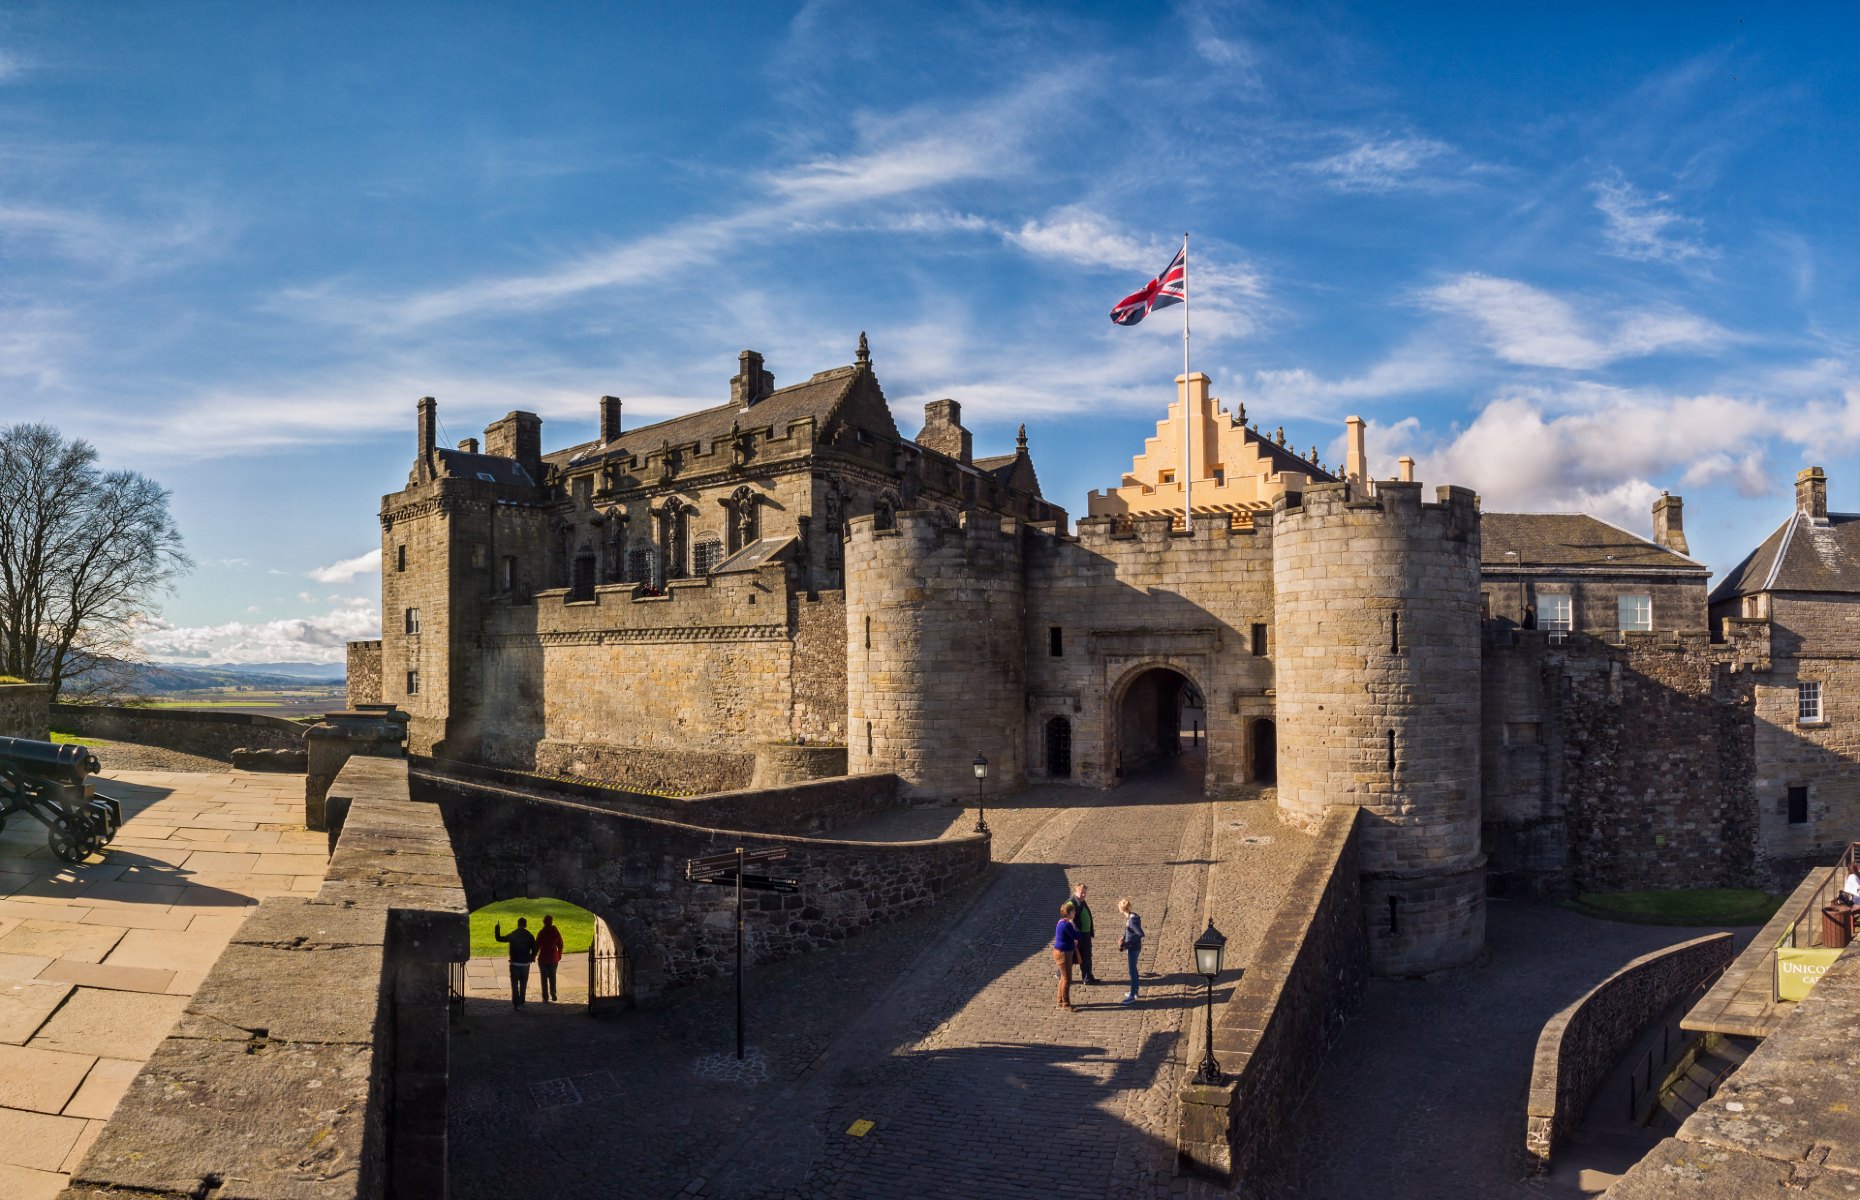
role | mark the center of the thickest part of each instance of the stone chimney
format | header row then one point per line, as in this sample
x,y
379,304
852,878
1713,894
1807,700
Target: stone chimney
x,y
1355,460
943,431
1407,468
1811,492
469,445
752,383
518,436
428,431
610,419
1669,527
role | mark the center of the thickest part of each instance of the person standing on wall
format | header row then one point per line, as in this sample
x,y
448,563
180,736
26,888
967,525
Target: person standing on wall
x,y
1065,949
1081,917
522,952
1131,944
548,955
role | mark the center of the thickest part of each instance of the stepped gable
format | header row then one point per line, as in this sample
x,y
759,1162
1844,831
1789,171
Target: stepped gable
x,y
842,396
1571,540
1803,555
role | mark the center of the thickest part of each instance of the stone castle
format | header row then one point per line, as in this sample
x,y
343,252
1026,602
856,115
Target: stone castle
x,y
785,587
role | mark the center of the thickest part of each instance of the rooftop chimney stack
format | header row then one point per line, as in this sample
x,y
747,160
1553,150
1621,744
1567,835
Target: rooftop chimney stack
x,y
1811,493
518,436
752,383
1407,468
1669,527
428,431
610,419
469,445
943,431
1355,459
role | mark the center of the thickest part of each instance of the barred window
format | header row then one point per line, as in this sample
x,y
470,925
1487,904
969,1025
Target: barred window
x,y
706,555
1808,701
640,562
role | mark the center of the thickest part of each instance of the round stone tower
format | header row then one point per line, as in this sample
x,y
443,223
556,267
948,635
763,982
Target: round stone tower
x,y
1377,679
935,651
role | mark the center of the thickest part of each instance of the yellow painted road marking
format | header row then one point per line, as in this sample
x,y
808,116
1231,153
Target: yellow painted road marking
x,y
860,1128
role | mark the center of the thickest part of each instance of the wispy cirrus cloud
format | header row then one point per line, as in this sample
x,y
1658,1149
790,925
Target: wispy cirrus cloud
x,y
1384,164
1642,227
1531,327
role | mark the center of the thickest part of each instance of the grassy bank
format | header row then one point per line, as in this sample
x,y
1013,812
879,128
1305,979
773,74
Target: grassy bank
x,y
1689,906
576,924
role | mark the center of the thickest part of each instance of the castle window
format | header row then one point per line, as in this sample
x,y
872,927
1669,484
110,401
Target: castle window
x,y
1394,633
508,580
400,557
1636,613
1166,477
868,739
884,513
868,633
478,555
1391,752
1808,702
1056,642
1220,476
640,565
1556,613
583,586
1798,806
1262,641
413,683
413,620
1394,915
706,555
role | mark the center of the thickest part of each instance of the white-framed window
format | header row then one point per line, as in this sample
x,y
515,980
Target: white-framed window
x,y
1636,612
1808,701
413,683
1556,612
413,620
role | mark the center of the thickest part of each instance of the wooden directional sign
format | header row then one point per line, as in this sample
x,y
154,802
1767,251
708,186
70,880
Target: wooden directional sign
x,y
752,883
776,854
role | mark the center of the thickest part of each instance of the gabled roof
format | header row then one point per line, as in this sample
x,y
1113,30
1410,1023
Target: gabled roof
x,y
1014,471
1803,555
1572,540
825,398
488,467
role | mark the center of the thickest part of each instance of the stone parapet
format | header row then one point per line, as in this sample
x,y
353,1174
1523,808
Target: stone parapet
x,y
333,741
25,710
311,1062
208,734
1581,1045
1285,1012
364,672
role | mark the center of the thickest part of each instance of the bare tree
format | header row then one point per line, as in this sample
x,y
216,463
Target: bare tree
x,y
83,553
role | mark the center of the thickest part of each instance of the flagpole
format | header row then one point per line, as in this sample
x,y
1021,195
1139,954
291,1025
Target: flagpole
x,y
1188,462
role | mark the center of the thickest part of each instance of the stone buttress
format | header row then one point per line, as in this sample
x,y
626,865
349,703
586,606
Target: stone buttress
x,y
1378,695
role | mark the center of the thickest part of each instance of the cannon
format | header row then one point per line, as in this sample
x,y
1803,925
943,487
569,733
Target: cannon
x,y
52,785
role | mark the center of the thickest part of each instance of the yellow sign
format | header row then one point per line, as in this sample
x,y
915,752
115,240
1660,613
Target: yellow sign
x,y
860,1128
1797,970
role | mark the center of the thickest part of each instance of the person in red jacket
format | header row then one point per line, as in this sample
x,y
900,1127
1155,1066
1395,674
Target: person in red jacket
x,y
548,955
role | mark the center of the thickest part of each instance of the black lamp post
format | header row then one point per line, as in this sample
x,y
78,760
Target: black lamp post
x,y
981,774
1210,949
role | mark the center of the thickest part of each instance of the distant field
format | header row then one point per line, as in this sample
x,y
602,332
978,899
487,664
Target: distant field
x,y
311,700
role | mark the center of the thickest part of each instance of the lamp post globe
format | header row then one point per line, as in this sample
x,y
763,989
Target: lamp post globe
x,y
1210,953
980,766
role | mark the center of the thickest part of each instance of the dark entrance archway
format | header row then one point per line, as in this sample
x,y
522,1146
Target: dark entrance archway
x,y
1265,752
1059,748
1149,717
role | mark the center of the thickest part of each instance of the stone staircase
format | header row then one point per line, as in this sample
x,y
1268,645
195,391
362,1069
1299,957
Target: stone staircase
x,y
1686,1090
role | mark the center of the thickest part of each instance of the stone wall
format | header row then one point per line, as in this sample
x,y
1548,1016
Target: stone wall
x,y
629,871
1784,1126
801,808
1283,1015
1377,604
1583,1043
364,677
637,768
208,734
25,710
312,1061
1617,767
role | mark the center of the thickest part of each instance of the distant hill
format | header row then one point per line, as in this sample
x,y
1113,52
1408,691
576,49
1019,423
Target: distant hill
x,y
155,678
316,672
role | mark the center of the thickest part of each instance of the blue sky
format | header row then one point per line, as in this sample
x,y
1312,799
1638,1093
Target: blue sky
x,y
1568,255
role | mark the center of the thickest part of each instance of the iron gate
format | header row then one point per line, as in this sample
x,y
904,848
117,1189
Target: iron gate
x,y
610,973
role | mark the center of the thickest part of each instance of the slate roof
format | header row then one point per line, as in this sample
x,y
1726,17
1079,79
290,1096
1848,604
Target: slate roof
x,y
820,397
1013,471
1572,540
488,467
1801,556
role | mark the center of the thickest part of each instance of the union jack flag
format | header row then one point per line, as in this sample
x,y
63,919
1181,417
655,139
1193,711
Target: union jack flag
x,y
1171,287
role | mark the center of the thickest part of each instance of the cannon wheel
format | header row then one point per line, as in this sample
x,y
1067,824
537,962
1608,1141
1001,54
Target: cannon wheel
x,y
67,840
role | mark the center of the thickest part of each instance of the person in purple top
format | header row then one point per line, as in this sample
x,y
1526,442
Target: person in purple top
x,y
1065,949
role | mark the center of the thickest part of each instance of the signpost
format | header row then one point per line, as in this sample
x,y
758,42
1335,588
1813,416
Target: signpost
x,y
730,870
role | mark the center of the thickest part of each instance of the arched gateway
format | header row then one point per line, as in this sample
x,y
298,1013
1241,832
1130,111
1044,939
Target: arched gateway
x,y
1147,717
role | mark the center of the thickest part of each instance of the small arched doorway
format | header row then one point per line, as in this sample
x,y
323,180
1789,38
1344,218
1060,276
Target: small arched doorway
x,y
595,974
1059,748
1265,752
1149,718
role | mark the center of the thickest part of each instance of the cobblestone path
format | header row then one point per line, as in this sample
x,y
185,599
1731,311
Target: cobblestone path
x,y
941,1031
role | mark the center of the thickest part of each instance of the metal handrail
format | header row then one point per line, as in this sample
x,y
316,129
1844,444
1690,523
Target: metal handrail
x,y
1824,895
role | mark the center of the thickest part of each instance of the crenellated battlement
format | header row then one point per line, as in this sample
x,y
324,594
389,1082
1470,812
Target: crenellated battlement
x,y
1454,510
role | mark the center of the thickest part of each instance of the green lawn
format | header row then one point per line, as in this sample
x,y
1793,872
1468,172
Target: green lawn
x,y
1692,906
71,739
576,924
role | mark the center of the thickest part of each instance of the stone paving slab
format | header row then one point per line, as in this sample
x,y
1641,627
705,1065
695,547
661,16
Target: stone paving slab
x,y
25,1005
37,1140
103,1086
110,1024
61,939
108,975
40,1080
23,1183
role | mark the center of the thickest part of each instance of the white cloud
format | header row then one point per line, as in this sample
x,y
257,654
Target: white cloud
x,y
348,568
1535,328
1637,227
321,639
1079,235
1381,164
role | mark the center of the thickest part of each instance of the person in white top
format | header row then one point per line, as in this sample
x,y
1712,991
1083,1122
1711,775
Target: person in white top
x,y
1850,891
